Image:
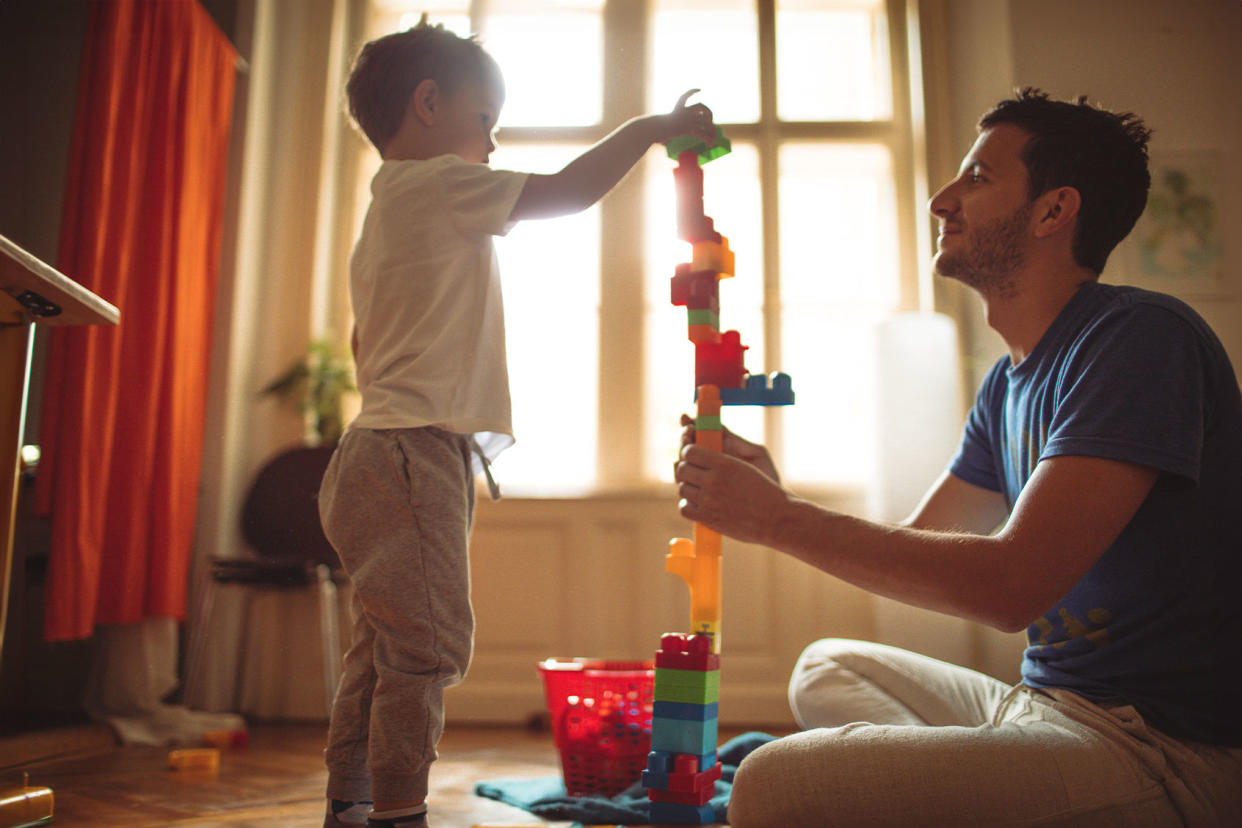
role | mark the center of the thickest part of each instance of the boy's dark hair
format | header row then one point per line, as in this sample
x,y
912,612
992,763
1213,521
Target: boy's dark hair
x,y
1101,154
388,69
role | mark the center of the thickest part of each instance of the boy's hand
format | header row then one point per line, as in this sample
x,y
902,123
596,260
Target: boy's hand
x,y
734,446
695,120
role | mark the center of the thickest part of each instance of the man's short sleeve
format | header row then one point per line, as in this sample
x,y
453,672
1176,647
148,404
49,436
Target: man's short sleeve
x,y
1133,391
976,460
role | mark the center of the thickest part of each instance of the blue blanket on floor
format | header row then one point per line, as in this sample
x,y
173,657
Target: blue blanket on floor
x,y
546,797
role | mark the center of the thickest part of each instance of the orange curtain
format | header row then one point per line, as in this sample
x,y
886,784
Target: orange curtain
x,y
122,427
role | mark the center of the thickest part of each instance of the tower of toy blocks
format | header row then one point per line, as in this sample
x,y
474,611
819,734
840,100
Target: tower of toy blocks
x,y
682,769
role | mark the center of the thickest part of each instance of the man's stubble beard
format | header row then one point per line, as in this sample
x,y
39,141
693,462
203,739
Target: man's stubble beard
x,y
995,254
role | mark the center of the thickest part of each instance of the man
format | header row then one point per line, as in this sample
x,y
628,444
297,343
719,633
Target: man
x,y
1107,446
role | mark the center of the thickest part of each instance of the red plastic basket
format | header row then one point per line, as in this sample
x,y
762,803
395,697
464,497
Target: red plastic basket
x,y
601,721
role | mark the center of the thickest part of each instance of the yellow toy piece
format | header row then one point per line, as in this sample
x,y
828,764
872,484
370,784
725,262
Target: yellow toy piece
x,y
207,759
697,562
25,805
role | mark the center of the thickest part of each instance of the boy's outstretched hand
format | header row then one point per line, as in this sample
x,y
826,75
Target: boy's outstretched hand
x,y
692,119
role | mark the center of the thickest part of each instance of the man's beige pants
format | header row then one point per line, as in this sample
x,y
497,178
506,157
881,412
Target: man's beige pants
x,y
895,738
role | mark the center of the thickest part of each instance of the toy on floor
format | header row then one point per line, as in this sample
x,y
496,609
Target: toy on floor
x,y
25,805
682,767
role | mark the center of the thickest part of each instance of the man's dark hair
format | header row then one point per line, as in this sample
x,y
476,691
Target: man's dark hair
x,y
1101,154
388,69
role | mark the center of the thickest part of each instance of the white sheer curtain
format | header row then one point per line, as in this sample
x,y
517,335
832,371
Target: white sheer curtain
x,y
292,192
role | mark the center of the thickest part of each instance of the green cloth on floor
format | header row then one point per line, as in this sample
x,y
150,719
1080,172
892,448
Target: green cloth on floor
x,y
546,797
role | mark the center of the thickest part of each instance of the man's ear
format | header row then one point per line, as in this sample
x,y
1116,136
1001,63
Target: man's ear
x,y
1056,210
424,101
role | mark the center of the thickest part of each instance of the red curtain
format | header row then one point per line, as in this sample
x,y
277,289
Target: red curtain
x,y
123,409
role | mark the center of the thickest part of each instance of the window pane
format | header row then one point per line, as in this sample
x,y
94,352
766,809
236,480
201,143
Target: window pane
x,y
832,61
551,55
731,197
838,277
550,272
711,45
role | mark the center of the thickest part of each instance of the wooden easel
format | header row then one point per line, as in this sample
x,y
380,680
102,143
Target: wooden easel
x,y
31,292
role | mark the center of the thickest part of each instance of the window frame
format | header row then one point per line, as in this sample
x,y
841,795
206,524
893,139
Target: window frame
x,y
622,310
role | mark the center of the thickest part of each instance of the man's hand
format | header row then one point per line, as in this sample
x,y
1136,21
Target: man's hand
x,y
729,495
735,446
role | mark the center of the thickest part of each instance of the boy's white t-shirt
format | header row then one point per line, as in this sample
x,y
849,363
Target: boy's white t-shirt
x,y
427,301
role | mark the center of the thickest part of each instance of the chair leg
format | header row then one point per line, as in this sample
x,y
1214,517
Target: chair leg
x,y
198,636
330,634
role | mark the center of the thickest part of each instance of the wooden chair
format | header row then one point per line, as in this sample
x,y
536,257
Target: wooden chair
x,y
280,524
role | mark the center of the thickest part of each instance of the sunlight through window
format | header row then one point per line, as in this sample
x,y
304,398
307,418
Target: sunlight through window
x,y
810,191
550,273
711,45
551,54
832,60
731,197
838,278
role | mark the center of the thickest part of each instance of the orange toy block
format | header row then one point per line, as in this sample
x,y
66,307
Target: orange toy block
x,y
713,255
194,759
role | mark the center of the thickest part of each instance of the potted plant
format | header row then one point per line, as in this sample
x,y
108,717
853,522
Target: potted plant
x,y
318,383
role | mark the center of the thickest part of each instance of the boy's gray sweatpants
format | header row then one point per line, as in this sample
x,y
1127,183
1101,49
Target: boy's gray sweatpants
x,y
397,505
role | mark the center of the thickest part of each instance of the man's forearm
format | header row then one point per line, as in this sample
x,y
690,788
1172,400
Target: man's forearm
x,y
966,575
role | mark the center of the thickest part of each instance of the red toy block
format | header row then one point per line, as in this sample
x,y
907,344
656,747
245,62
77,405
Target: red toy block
x,y
682,652
720,363
699,797
696,290
692,224
686,781
703,334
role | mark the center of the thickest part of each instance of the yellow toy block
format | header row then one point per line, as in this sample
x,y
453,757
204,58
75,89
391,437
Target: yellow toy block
x,y
194,759
699,566
25,805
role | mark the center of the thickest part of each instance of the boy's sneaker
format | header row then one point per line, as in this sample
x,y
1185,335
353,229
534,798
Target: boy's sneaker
x,y
343,814
415,817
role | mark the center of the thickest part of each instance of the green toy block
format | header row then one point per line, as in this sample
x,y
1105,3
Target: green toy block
x,y
708,423
703,317
689,686
682,143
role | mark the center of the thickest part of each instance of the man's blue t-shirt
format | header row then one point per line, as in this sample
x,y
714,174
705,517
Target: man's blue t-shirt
x,y
1134,376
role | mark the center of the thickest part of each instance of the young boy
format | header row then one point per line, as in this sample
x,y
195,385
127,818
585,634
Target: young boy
x,y
397,499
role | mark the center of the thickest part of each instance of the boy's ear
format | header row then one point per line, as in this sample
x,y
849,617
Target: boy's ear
x,y
1056,210
424,101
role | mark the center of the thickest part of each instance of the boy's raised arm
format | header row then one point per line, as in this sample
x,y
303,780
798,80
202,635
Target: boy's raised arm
x,y
588,177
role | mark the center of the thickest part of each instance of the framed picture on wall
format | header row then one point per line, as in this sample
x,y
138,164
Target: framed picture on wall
x,y
1176,246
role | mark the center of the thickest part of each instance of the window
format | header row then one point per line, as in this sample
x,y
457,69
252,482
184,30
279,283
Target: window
x,y
817,200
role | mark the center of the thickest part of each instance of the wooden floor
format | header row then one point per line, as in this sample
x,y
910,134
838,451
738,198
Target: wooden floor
x,y
277,781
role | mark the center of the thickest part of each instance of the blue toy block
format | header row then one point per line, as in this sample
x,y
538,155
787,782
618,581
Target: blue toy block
x,y
681,736
685,711
757,391
672,812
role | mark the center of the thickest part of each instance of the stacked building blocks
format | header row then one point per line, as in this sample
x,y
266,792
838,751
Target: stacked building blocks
x,y
682,768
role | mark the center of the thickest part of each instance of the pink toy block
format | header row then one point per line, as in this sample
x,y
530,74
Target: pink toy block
x,y
720,364
684,652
